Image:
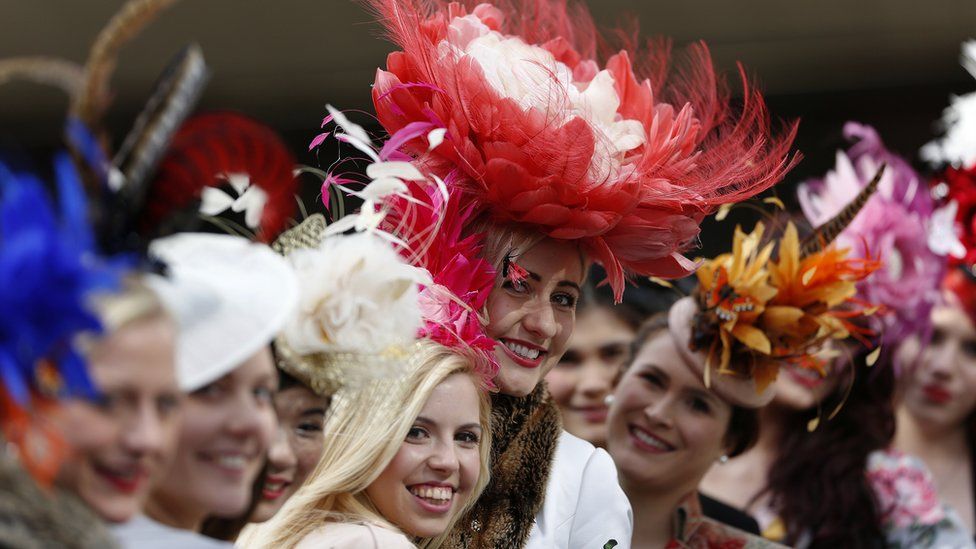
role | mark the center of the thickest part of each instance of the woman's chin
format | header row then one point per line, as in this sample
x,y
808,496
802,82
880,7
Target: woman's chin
x,y
516,381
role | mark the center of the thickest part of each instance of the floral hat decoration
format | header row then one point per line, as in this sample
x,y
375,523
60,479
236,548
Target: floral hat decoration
x,y
752,313
901,225
625,153
955,184
358,307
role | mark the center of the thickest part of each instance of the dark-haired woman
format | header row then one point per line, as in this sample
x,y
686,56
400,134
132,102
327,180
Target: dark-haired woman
x,y
937,412
584,376
666,428
807,488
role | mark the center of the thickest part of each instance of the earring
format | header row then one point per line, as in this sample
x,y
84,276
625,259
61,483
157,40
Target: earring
x,y
723,459
608,400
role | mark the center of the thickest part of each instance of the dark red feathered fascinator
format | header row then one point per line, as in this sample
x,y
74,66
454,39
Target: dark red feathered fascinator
x,y
225,147
627,156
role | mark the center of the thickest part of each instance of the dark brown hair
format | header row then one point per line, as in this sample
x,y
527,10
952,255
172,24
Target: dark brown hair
x,y
817,484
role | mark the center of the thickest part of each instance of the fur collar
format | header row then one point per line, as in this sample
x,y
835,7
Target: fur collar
x,y
31,518
525,432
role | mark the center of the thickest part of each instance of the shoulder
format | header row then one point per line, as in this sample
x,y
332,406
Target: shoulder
x,y
912,515
354,535
584,502
145,533
578,457
903,488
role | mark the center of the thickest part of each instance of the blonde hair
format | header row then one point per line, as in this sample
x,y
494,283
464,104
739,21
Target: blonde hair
x,y
363,433
134,302
511,240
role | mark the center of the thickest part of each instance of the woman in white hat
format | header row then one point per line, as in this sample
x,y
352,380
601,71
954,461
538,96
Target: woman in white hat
x,y
234,296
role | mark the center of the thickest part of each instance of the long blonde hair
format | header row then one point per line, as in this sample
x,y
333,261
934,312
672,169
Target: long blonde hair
x,y
363,433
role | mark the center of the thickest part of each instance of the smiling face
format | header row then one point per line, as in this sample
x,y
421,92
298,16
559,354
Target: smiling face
x,y
301,415
436,469
665,429
584,376
222,446
532,320
941,387
124,440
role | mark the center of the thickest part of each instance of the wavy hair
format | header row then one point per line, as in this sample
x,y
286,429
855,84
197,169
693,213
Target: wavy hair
x,y
363,433
817,483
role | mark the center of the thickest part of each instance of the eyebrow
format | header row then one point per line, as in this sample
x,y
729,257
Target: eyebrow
x,y
311,411
565,283
569,283
428,421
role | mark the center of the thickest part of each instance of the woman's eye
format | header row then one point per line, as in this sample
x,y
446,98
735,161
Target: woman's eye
x,y
467,437
166,405
308,428
969,347
653,379
106,402
264,394
612,354
516,286
570,359
416,434
699,405
567,301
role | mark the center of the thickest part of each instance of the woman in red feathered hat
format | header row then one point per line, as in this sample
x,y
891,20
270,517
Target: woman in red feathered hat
x,y
552,158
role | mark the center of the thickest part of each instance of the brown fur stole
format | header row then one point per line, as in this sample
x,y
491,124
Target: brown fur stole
x,y
525,433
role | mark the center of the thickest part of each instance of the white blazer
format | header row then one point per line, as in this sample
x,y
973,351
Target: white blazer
x,y
584,506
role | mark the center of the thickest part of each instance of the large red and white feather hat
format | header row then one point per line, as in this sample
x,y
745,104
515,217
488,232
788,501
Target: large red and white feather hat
x,y
626,154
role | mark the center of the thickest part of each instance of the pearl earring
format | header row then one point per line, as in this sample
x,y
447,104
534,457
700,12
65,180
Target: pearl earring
x,y
723,459
608,400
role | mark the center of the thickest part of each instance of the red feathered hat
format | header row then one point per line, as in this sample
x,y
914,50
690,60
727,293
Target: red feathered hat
x,y
627,156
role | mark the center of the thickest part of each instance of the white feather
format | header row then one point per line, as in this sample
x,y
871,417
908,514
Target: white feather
x,y
402,170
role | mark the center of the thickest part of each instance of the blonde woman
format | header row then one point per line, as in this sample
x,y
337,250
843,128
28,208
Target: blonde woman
x,y
403,459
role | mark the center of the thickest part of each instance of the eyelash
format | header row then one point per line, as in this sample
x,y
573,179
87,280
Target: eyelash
x,y
308,429
517,287
416,433
699,405
570,300
467,437
564,300
652,379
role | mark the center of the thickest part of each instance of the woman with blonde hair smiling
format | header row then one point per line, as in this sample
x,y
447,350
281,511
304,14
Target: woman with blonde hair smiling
x,y
402,457
406,440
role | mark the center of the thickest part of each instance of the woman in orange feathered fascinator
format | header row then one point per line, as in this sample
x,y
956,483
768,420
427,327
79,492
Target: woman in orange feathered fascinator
x,y
691,392
542,147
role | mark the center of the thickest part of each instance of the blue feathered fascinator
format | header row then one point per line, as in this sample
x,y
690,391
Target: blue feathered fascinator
x,y
48,270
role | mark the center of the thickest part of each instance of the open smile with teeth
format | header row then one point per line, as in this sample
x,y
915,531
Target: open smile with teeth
x,y
231,461
650,440
437,495
522,350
